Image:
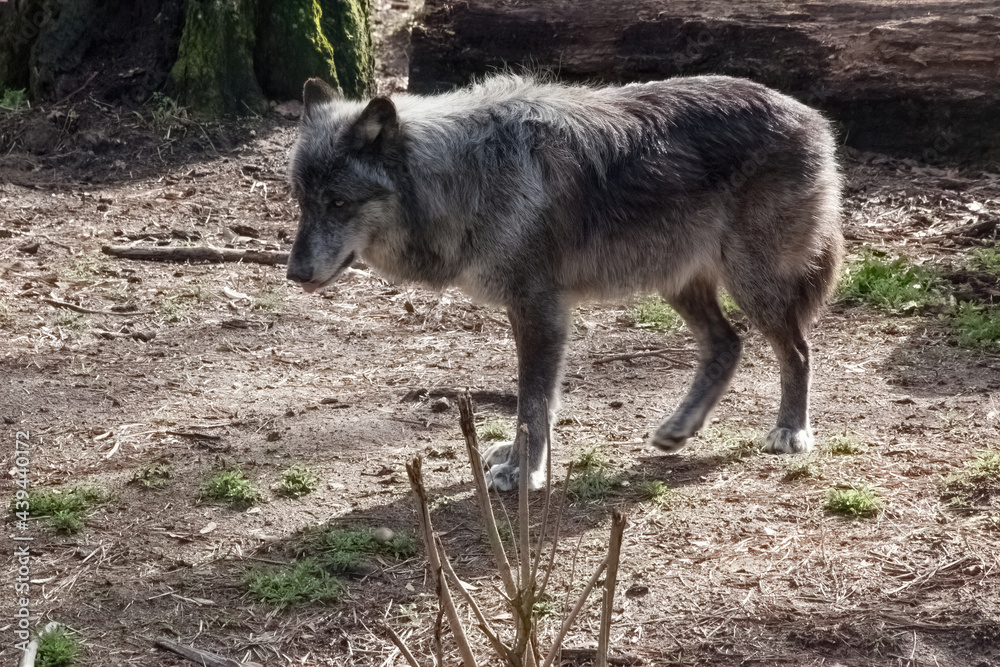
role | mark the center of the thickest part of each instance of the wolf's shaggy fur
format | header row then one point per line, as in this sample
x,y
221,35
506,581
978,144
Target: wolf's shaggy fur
x,y
534,196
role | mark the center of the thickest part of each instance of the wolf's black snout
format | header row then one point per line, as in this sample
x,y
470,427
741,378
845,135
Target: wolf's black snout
x,y
298,273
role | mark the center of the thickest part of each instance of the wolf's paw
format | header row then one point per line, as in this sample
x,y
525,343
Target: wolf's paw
x,y
672,435
503,474
788,441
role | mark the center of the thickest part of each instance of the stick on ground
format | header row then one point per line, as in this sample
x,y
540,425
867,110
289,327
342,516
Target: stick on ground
x,y
197,254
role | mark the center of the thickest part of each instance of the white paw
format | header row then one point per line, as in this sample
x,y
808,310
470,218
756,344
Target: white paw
x,y
788,441
672,435
502,474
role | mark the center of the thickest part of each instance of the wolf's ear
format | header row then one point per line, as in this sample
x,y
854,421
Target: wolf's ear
x,y
378,127
315,93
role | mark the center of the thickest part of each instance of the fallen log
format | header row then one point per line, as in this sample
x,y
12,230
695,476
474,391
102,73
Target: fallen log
x,y
920,78
198,254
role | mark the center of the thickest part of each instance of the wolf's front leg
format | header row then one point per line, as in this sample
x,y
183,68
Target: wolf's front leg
x,y
540,337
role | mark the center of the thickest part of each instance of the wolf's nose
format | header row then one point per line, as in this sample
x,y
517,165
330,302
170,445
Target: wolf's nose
x,y
298,274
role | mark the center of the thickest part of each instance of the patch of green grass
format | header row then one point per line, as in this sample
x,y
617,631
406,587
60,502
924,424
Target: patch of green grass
x,y
494,429
845,444
729,305
6,312
986,260
270,301
798,470
976,484
57,648
656,492
652,312
301,582
895,286
13,101
545,607
155,476
737,443
593,479
68,319
977,327
854,502
322,556
86,268
346,549
297,481
232,487
63,510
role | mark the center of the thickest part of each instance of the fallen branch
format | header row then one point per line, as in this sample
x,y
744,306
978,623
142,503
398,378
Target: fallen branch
x,y
197,254
91,311
204,658
662,353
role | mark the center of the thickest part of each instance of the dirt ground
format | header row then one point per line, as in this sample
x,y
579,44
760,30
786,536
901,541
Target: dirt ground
x,y
742,567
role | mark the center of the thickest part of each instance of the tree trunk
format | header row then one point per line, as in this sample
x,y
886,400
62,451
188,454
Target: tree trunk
x,y
215,56
214,72
235,51
914,78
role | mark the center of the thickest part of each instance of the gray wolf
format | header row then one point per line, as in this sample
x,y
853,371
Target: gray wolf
x,y
533,196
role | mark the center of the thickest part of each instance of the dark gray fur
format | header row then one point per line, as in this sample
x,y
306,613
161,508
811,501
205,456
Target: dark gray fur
x,y
534,196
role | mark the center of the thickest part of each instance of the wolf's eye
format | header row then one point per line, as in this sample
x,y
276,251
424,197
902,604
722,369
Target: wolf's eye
x,y
338,202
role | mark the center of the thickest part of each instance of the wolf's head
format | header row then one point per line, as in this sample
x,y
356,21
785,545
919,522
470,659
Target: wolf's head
x,y
340,173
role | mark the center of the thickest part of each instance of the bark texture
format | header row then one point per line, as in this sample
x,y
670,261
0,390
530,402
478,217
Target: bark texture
x,y
904,76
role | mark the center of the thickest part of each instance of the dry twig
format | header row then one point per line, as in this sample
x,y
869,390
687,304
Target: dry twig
x,y
197,254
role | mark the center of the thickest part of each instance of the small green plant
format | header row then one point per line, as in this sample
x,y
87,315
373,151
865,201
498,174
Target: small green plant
x,y
856,501
729,305
270,301
63,510
986,260
976,484
297,481
301,582
6,312
546,607
845,444
13,100
895,286
57,648
68,319
593,479
155,476
977,327
652,312
494,429
798,470
656,492
233,487
346,549
86,267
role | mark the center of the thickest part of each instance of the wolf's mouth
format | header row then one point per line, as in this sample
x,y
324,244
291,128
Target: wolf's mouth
x,y
313,285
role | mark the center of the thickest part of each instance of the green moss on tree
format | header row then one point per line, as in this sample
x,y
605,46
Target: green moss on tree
x,y
214,72
347,25
292,48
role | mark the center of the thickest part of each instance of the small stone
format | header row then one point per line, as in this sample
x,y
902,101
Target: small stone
x,y
336,486
383,535
441,405
290,412
329,401
616,404
29,248
273,435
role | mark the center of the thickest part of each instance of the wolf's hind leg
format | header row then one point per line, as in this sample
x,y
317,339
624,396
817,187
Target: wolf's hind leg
x,y
792,434
540,336
719,348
